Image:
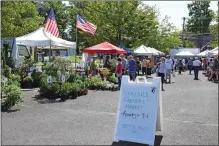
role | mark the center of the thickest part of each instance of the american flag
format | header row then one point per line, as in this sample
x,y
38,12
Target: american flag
x,y
51,25
85,25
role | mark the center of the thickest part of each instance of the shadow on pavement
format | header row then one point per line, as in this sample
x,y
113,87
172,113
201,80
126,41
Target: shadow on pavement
x,y
42,100
158,139
10,110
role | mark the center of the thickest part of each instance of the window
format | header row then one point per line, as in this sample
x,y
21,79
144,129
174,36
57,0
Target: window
x,y
22,50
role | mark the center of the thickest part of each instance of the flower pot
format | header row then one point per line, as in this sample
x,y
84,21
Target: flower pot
x,y
73,95
85,91
27,85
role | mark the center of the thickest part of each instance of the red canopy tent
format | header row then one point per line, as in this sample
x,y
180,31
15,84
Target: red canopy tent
x,y
104,48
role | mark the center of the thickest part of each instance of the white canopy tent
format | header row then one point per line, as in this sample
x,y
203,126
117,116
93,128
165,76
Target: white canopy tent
x,y
184,53
41,38
213,52
143,50
203,54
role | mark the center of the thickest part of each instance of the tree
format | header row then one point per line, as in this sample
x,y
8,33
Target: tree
x,y
168,37
118,22
19,18
214,30
200,17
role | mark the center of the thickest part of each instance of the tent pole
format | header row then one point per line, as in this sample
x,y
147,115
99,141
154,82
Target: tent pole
x,y
50,49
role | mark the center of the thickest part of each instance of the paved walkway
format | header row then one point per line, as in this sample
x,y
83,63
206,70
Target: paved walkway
x,y
190,117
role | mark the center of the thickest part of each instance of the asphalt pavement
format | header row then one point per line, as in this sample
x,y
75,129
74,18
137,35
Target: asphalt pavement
x,y
190,111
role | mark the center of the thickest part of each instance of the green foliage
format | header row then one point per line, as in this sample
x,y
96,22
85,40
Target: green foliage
x,y
214,30
200,17
25,67
36,76
112,79
189,44
59,64
14,79
112,64
10,91
105,72
19,18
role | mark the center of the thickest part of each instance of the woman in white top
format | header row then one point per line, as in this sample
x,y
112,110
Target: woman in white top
x,y
162,70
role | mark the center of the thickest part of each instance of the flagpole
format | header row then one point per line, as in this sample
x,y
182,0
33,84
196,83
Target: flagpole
x,y
76,39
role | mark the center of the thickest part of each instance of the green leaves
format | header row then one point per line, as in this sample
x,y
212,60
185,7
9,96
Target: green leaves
x,y
19,18
131,23
200,17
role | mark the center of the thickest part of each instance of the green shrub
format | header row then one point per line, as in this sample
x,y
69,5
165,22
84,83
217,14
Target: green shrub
x,y
10,96
112,79
65,90
105,72
36,78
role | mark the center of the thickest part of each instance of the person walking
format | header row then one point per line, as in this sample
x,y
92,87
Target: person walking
x,y
190,65
119,70
124,64
180,66
144,66
138,66
169,66
196,66
162,71
132,67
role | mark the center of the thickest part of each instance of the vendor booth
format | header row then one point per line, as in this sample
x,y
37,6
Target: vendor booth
x,y
203,54
185,54
213,53
104,48
44,40
150,53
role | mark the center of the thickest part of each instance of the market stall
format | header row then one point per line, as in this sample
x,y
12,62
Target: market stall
x,y
203,54
150,53
185,54
104,48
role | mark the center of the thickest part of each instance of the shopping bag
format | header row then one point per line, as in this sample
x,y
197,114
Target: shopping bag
x,y
157,73
174,73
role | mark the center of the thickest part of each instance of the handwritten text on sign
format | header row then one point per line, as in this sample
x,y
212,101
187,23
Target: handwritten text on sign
x,y
137,114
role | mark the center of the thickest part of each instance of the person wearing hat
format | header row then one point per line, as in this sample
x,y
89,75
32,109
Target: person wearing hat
x,y
190,64
196,66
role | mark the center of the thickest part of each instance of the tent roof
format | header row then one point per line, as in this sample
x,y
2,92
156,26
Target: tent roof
x,y
214,50
184,53
204,53
128,50
143,50
41,38
105,48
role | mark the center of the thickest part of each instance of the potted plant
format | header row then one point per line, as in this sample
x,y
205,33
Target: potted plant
x,y
105,72
74,91
27,82
65,91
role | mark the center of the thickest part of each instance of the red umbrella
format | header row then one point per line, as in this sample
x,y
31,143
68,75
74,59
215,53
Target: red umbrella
x,y
104,48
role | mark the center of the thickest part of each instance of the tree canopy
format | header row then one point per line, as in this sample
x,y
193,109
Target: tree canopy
x,y
131,23
200,17
19,18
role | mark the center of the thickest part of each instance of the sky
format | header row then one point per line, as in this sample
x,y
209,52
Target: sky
x,y
176,10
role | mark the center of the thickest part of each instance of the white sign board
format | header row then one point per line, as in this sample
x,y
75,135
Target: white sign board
x,y
137,111
49,79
